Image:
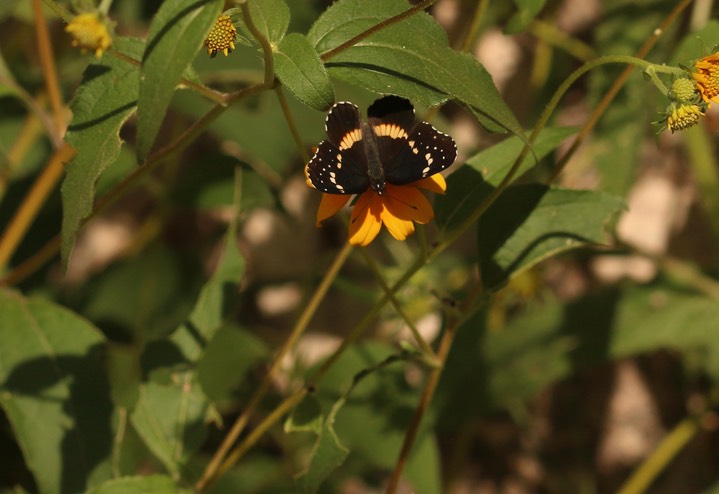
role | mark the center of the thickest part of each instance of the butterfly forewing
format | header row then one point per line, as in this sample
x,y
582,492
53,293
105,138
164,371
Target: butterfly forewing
x,y
339,166
426,151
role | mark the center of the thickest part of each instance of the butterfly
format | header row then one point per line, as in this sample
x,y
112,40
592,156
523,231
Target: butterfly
x,y
391,147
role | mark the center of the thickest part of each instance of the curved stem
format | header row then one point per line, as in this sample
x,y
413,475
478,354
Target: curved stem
x,y
616,86
263,42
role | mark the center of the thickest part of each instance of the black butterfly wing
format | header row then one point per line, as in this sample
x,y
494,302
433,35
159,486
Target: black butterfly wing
x,y
336,171
391,118
426,151
339,165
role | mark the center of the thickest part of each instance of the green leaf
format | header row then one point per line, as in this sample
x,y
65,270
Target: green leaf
x,y
469,185
171,412
175,37
271,18
54,392
697,44
327,455
551,339
299,68
397,60
527,10
530,223
104,101
227,359
375,410
152,484
306,417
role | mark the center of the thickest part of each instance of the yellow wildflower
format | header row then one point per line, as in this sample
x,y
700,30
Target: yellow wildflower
x,y
706,77
682,117
89,32
397,208
221,37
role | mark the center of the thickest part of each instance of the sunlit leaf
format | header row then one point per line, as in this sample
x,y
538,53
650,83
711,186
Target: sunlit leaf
x,y
104,101
300,69
398,60
530,223
176,34
271,18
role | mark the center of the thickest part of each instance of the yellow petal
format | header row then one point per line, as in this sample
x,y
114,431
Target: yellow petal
x,y
330,205
406,202
436,183
365,222
398,228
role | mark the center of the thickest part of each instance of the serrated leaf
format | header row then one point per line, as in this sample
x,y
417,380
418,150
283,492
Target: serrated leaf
x,y
151,484
104,101
530,223
469,185
271,18
299,68
175,37
171,412
397,60
55,393
306,417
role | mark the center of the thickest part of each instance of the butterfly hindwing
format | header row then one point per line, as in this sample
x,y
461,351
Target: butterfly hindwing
x,y
426,151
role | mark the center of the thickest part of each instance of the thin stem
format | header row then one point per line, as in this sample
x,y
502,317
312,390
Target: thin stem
x,y
32,203
211,94
263,42
474,27
430,387
670,446
104,6
47,61
377,27
548,32
616,86
652,73
212,469
59,10
291,122
424,346
32,105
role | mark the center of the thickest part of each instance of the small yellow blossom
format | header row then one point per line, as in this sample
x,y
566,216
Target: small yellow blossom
x,y
89,32
682,117
221,37
397,208
706,77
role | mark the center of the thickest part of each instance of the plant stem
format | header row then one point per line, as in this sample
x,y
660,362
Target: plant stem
x,y
668,449
263,42
47,61
427,351
291,122
377,27
31,204
213,468
475,25
616,86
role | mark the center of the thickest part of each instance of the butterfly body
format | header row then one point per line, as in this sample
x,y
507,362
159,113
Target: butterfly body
x,y
390,148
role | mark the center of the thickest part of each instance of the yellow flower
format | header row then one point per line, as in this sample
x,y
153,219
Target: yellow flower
x,y
682,117
706,77
221,37
89,32
397,209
